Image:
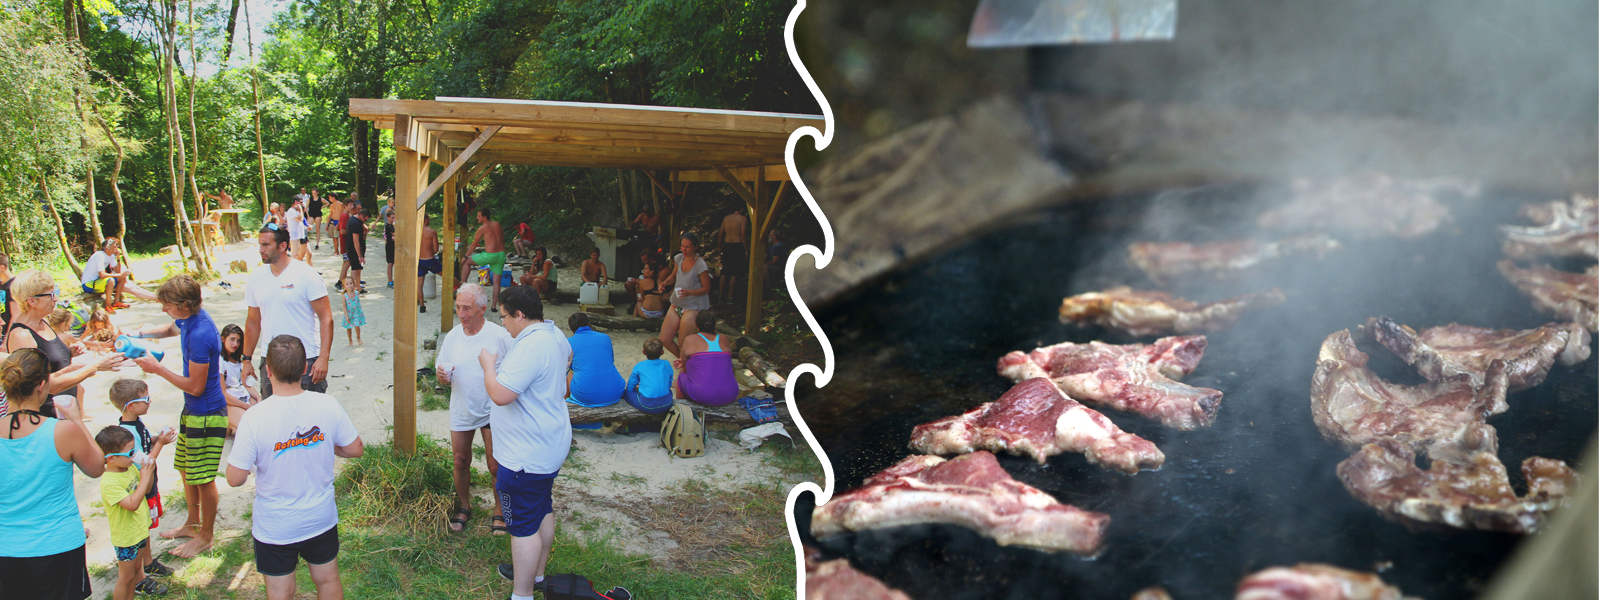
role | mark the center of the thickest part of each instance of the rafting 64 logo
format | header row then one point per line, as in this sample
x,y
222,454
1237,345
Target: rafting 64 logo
x,y
301,440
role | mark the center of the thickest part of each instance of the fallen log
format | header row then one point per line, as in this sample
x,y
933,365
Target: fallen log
x,y
622,411
625,323
759,366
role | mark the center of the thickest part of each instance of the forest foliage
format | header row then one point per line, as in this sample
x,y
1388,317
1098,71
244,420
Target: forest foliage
x,y
86,82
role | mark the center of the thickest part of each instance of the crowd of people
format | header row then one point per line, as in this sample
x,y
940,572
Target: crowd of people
x,y
512,381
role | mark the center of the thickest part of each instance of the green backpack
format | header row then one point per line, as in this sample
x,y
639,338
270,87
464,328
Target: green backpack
x,y
683,432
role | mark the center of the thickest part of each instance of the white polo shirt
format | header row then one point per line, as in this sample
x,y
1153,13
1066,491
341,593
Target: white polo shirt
x,y
533,433
285,303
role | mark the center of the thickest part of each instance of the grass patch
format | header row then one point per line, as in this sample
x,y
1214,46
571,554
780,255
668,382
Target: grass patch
x,y
393,542
428,396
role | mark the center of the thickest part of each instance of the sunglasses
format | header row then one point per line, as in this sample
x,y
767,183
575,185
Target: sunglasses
x,y
50,294
145,400
128,454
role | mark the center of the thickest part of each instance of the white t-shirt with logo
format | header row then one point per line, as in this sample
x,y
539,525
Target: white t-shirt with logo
x,y
297,224
285,303
469,401
534,433
96,265
288,442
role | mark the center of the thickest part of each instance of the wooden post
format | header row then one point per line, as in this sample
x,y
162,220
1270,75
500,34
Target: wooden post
x,y
757,253
409,171
679,202
447,283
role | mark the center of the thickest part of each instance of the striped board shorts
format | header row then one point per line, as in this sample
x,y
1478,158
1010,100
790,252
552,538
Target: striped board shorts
x,y
200,440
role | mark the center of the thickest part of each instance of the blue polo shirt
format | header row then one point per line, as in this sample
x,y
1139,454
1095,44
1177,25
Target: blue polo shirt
x,y
201,344
595,381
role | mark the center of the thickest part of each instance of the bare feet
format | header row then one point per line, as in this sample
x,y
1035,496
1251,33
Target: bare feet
x,y
192,548
188,530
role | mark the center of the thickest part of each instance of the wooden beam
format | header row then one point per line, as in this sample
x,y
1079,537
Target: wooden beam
x,y
477,171
657,182
455,165
755,259
540,112
405,133
738,186
769,172
407,165
447,283
766,224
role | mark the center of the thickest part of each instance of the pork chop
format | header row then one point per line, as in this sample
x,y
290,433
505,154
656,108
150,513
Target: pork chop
x,y
970,490
1567,296
1159,313
1136,378
1438,352
1311,581
1470,494
1565,228
1166,261
1367,205
1036,419
837,580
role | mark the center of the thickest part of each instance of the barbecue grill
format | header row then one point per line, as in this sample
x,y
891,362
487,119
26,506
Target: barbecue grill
x,y
921,314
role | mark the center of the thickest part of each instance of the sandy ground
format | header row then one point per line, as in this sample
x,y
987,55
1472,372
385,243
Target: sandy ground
x,y
361,378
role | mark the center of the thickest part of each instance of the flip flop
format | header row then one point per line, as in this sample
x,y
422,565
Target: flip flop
x,y
461,516
497,525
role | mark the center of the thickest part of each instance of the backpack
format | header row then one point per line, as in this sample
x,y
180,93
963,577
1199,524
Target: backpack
x,y
763,410
577,587
683,432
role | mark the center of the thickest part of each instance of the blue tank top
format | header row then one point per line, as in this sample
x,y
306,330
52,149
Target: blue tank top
x,y
38,514
712,344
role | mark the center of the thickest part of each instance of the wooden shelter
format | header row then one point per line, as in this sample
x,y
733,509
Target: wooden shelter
x,y
467,137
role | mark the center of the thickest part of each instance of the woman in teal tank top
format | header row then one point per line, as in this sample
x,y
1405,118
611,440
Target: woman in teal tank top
x,y
43,556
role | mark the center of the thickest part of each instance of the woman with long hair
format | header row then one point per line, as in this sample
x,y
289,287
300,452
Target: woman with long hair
x,y
692,281
36,293
43,556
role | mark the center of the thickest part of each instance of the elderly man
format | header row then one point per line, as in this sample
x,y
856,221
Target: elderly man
x,y
457,366
529,390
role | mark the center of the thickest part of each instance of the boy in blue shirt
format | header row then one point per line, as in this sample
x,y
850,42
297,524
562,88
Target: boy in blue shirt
x,y
649,387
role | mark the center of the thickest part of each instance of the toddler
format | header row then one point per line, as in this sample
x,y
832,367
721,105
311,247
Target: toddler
x,y
354,318
649,387
122,490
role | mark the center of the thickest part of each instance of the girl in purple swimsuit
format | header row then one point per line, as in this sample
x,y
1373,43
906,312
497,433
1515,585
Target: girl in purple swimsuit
x,y
707,365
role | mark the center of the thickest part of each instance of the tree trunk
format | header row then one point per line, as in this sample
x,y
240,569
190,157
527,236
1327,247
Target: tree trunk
x,y
203,241
169,108
116,172
233,19
61,231
622,194
255,96
94,208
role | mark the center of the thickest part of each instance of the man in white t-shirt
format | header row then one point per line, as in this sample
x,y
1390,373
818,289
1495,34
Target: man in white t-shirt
x,y
289,441
531,427
285,296
296,219
103,275
457,366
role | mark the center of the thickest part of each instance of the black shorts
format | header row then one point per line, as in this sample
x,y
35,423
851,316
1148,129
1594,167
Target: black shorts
x,y
63,576
388,251
734,261
354,258
305,380
273,560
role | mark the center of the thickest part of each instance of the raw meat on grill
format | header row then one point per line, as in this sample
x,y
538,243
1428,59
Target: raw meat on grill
x,y
837,580
1564,228
1152,593
1165,261
1135,378
1035,419
1367,206
970,490
1311,581
1469,494
1351,405
1438,352
1568,296
1160,313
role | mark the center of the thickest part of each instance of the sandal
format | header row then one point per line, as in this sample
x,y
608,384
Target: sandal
x,y
497,525
461,516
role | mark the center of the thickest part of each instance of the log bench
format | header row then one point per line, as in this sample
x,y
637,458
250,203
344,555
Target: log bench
x,y
622,411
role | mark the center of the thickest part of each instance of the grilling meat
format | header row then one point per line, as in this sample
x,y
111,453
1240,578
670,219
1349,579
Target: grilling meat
x,y
1366,206
970,490
1035,419
1351,405
837,580
1166,261
1136,378
1565,228
1568,296
1470,494
1311,581
1152,593
1438,352
1160,313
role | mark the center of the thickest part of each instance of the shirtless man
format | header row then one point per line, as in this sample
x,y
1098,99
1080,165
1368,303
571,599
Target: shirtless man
x,y
493,255
335,212
593,271
735,263
427,259
541,275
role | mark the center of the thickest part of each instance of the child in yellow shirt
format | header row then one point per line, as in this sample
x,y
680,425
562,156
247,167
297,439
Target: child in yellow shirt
x,y
122,490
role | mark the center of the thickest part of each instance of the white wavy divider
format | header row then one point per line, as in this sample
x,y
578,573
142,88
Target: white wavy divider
x,y
822,257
